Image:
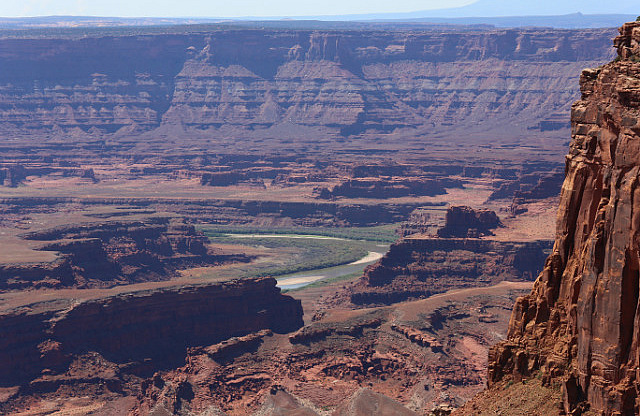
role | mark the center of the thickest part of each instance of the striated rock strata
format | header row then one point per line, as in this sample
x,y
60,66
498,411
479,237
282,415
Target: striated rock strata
x,y
456,255
418,267
157,325
580,325
232,211
99,254
389,188
339,83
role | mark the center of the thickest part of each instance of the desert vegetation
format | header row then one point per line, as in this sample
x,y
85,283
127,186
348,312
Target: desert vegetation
x,y
299,254
382,233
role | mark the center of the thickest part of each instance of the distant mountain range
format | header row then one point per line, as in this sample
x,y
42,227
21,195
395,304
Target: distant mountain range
x,y
497,13
503,8
567,21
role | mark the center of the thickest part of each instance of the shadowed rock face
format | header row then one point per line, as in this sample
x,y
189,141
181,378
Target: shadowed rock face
x,y
112,252
467,222
338,83
581,322
419,267
140,326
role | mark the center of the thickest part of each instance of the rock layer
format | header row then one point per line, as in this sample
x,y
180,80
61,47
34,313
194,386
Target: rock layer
x,y
581,323
113,252
338,82
418,267
157,324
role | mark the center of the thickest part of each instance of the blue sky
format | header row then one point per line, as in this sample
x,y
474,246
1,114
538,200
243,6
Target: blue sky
x,y
215,8
292,8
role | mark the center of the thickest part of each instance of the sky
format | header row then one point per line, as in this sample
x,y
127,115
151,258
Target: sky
x,y
215,8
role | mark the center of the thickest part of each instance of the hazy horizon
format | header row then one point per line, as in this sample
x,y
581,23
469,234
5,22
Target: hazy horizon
x,y
295,9
204,9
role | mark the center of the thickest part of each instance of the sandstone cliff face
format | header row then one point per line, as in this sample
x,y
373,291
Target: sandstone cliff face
x,y
581,322
464,221
337,83
113,252
157,324
419,267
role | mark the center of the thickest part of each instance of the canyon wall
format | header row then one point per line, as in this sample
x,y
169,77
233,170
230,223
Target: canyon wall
x,y
311,82
233,211
105,253
454,255
580,325
418,267
139,326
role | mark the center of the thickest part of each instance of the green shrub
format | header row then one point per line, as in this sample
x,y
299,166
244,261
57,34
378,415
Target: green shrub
x,y
638,19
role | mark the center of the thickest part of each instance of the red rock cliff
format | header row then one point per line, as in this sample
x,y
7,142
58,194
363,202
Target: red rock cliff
x,y
581,323
157,325
336,83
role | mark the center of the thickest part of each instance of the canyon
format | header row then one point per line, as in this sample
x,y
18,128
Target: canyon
x,y
416,268
235,83
132,158
99,254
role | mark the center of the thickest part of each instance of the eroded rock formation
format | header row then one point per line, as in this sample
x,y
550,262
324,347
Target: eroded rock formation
x,y
389,188
423,354
581,325
157,325
440,254
333,82
466,222
113,252
418,267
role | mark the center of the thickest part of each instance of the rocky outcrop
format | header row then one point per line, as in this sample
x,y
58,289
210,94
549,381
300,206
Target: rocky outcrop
x,y
113,252
221,178
467,222
418,337
418,267
235,211
530,187
12,175
580,326
233,347
338,83
157,325
389,188
319,332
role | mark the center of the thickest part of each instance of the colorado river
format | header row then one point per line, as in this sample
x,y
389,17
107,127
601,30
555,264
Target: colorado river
x,y
375,251
303,236
298,280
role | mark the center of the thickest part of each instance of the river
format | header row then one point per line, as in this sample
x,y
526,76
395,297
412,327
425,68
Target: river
x,y
298,280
